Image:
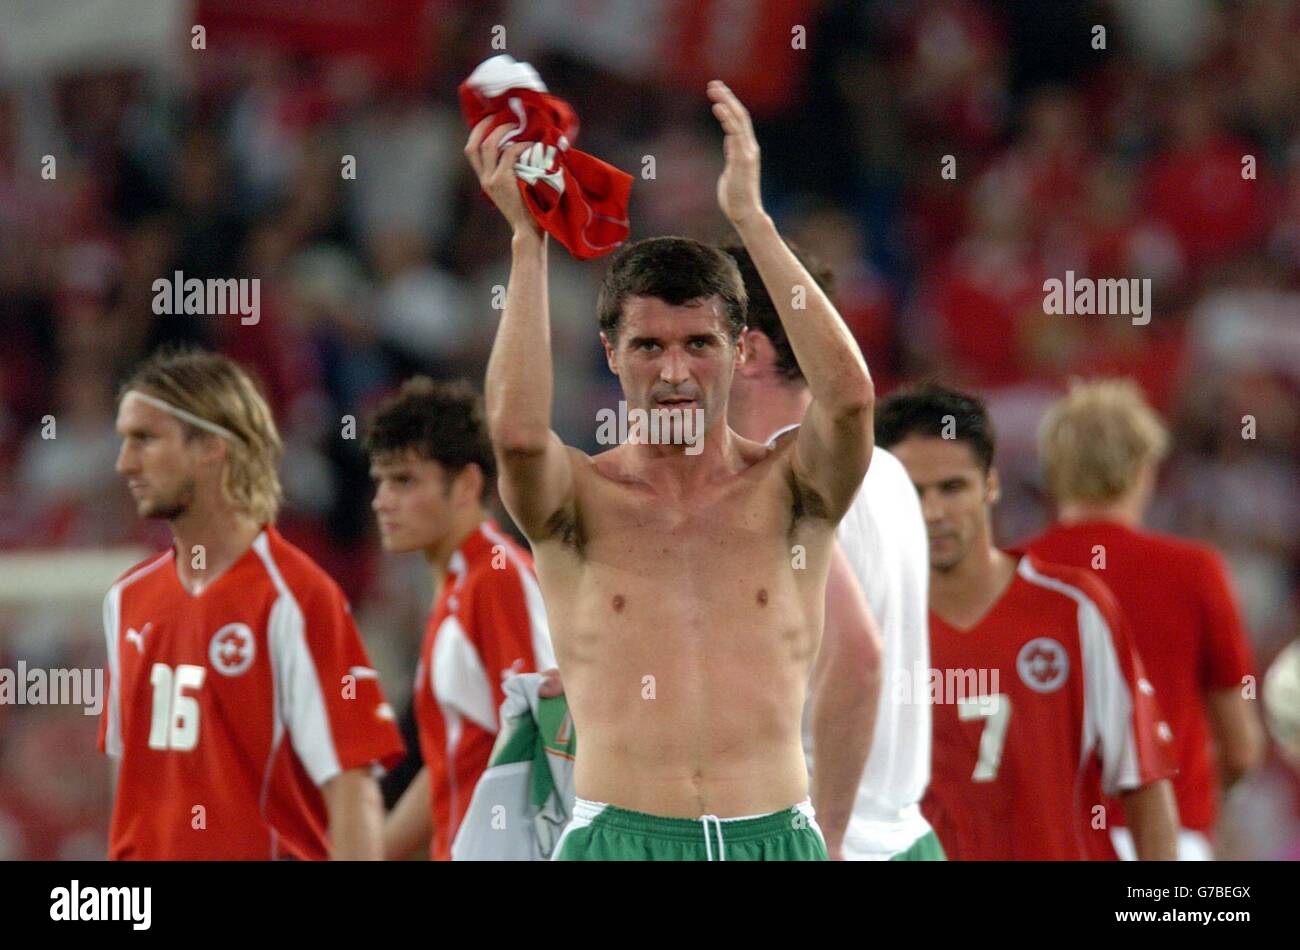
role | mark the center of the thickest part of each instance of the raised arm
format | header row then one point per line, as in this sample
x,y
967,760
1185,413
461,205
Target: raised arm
x,y
833,447
535,478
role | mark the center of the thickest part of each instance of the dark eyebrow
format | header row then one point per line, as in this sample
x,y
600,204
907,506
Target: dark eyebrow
x,y
638,340
942,483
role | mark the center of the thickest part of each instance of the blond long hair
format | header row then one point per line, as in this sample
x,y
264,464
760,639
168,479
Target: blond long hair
x,y
216,389
1094,441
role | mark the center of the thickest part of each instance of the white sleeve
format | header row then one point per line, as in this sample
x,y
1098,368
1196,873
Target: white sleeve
x,y
113,709
1108,703
299,700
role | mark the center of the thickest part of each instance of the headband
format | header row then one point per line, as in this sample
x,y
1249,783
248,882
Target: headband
x,y
180,413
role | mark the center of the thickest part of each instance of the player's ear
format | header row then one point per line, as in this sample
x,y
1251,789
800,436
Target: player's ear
x,y
467,486
610,356
756,353
992,487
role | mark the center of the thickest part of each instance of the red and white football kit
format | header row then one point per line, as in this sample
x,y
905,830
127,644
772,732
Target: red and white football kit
x,y
230,708
1019,770
489,624
1185,625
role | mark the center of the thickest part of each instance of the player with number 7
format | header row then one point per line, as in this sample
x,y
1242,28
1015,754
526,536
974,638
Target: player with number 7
x,y
1020,773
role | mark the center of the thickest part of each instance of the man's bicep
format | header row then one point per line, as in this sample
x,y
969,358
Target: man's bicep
x,y
537,488
831,455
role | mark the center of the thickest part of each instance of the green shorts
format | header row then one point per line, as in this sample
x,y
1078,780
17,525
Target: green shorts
x,y
600,832
924,848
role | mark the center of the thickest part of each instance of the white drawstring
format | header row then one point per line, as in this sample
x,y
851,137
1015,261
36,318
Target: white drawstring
x,y
708,846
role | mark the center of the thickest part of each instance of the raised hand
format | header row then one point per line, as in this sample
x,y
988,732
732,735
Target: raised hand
x,y
738,193
495,168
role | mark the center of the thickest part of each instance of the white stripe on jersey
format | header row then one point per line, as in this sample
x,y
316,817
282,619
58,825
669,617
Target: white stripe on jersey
x,y
112,619
297,683
277,735
458,679
1107,702
452,725
538,626
112,615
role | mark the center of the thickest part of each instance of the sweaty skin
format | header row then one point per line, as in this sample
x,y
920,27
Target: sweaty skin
x,y
684,591
686,633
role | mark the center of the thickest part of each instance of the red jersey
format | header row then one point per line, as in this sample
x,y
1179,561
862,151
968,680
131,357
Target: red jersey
x,y
229,709
1179,606
1020,768
489,624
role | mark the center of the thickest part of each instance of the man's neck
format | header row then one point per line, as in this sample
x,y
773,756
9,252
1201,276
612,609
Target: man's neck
x,y
681,466
759,409
963,595
208,542
438,555
1125,511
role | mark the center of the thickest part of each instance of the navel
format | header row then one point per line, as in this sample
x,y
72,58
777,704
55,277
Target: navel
x,y
762,597
618,603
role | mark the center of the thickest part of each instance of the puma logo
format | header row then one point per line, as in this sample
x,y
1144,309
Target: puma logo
x,y
138,637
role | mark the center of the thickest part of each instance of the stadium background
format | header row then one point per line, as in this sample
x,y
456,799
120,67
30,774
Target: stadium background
x,y
226,162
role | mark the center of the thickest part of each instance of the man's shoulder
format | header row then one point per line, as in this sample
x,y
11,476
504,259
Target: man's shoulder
x,y
887,479
1154,553
141,587
1182,554
759,453
783,435
609,467
1077,584
141,571
887,505
498,562
289,568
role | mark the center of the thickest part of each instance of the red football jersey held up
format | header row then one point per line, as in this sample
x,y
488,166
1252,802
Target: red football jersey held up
x,y
1019,769
1179,606
230,708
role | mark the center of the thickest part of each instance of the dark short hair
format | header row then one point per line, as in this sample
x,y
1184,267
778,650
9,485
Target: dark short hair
x,y
675,270
441,421
924,410
762,313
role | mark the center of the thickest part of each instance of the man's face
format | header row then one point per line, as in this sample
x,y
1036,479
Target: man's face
x,y
677,359
413,501
955,494
162,467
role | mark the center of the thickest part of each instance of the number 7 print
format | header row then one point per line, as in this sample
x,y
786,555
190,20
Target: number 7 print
x,y
997,710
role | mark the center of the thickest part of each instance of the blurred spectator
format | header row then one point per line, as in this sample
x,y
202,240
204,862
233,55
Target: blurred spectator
x,y
1121,162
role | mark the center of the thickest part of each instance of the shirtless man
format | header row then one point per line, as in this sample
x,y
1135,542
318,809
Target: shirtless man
x,y
684,583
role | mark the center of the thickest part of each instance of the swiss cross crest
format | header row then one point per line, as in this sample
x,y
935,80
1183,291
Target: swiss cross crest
x,y
1043,664
232,649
